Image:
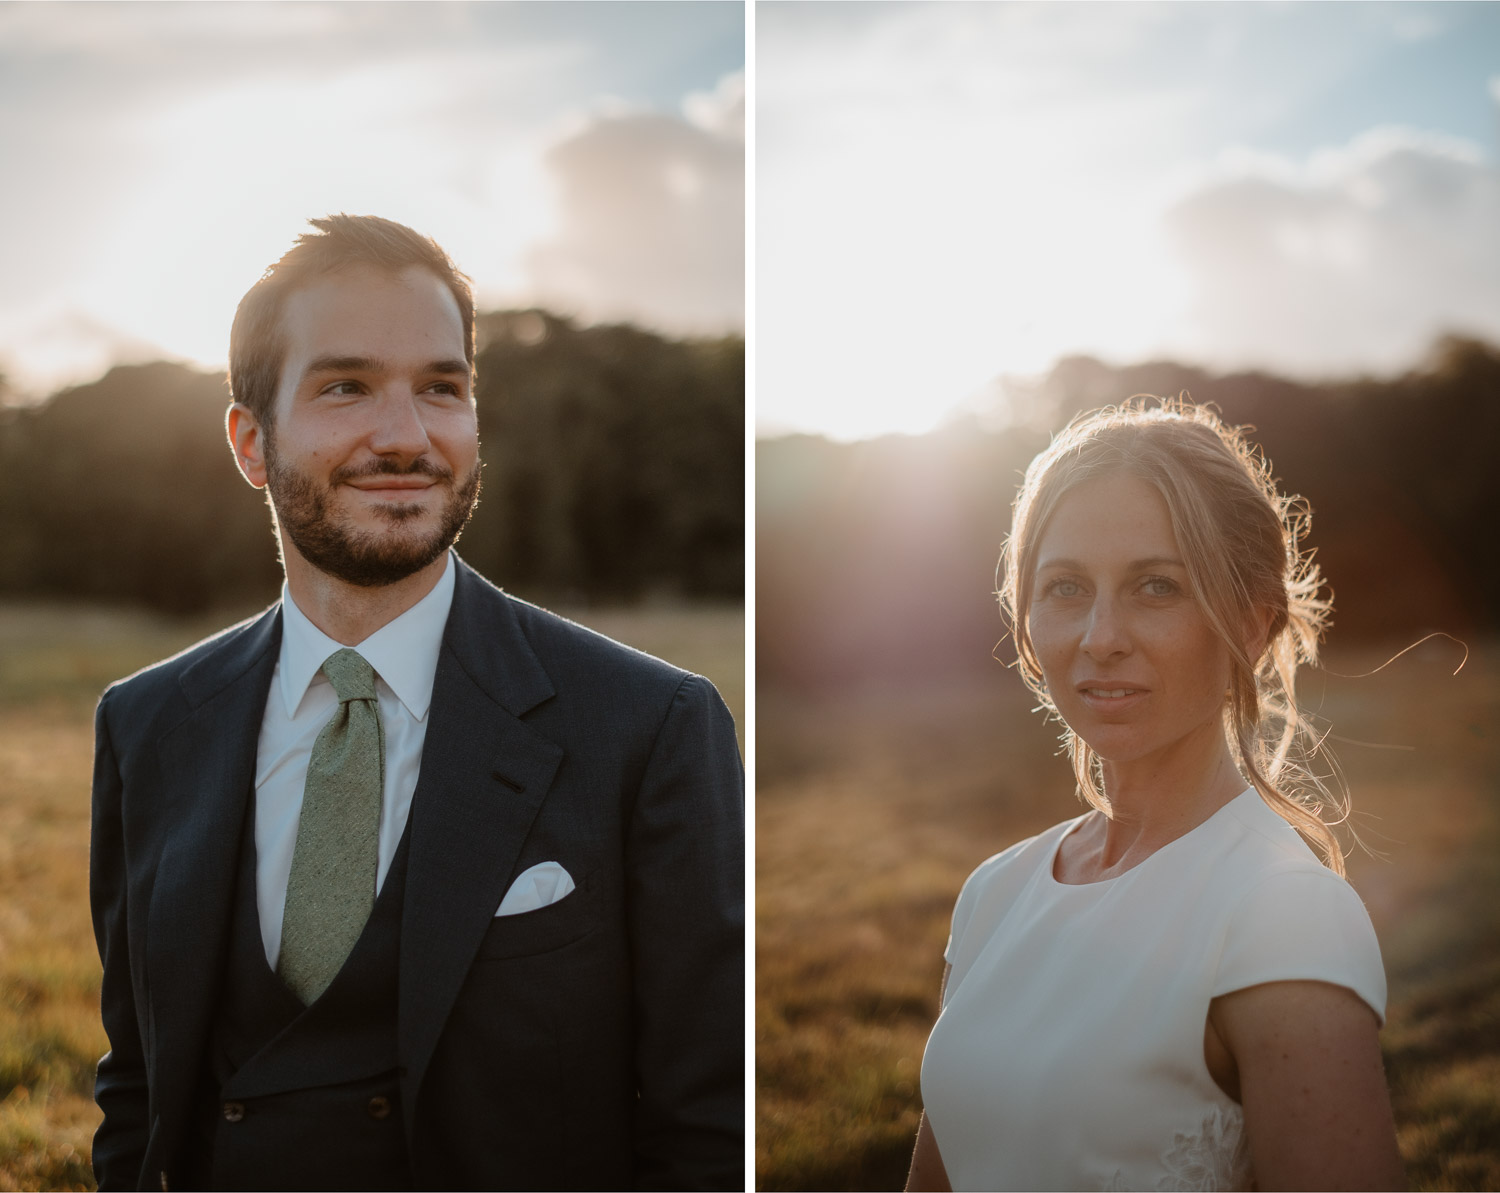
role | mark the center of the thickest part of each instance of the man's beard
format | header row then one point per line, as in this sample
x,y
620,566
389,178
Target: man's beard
x,y
365,558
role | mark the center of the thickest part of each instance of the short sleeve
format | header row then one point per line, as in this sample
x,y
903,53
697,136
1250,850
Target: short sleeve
x,y
977,891
980,889
962,913
1303,925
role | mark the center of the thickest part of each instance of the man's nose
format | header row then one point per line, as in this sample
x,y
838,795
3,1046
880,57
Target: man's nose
x,y
399,430
1106,634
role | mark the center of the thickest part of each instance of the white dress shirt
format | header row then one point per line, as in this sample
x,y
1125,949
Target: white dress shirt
x,y
404,654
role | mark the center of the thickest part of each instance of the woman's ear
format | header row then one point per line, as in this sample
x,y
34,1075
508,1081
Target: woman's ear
x,y
1257,630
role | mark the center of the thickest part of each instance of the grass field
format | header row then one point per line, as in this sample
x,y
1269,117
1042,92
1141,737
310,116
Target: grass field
x,y
873,807
53,663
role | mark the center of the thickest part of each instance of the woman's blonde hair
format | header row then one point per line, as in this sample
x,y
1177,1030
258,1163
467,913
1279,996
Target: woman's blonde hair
x,y
1241,542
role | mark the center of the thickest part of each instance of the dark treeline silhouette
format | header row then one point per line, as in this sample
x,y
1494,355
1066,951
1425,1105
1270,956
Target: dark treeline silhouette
x,y
614,470
876,559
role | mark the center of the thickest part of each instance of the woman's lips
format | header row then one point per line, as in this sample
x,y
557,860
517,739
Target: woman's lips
x,y
1111,697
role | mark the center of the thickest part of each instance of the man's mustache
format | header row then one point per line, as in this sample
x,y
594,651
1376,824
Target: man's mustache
x,y
421,466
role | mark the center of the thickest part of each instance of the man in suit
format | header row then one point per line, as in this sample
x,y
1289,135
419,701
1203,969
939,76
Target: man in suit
x,y
407,883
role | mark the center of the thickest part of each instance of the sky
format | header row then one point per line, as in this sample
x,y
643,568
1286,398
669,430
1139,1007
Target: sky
x,y
588,157
950,193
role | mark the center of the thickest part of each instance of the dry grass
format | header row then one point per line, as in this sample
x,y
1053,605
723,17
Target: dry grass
x,y
49,976
873,808
53,663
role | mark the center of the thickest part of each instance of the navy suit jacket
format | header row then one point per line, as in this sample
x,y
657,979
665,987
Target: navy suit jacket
x,y
595,1043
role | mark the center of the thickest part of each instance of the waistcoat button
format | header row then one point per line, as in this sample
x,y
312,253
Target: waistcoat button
x,y
234,1111
379,1107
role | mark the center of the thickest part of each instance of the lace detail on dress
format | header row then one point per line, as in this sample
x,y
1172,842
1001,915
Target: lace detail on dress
x,y
1216,1158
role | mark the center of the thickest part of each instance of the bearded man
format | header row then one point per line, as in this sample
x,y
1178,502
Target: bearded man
x,y
407,883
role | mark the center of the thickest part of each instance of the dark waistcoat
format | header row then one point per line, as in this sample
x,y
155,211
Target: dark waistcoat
x,y
302,1097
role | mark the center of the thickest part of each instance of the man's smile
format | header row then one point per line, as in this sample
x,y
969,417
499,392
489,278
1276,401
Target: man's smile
x,y
395,488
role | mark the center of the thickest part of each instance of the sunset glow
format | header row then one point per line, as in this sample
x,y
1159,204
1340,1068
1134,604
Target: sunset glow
x,y
953,193
177,152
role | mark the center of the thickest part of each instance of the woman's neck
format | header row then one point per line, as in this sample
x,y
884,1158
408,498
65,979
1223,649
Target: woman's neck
x,y
1155,800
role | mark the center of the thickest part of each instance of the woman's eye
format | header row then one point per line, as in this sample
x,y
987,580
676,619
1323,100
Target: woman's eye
x,y
1064,588
1159,586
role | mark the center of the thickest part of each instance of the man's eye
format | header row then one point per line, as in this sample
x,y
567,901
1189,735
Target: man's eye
x,y
343,387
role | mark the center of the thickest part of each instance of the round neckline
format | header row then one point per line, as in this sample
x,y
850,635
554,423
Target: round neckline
x,y
1053,879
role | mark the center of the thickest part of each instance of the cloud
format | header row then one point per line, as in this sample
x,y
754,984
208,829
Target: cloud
x,y
1354,260
1417,26
163,153
722,110
63,345
651,218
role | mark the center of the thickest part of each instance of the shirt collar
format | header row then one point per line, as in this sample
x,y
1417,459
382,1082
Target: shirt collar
x,y
404,651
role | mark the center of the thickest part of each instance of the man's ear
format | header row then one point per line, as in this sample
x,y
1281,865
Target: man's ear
x,y
248,442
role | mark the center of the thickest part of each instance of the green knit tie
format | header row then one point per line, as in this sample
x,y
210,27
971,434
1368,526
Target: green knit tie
x,y
331,889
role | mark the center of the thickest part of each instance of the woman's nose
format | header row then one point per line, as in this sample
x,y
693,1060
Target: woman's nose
x,y
1105,634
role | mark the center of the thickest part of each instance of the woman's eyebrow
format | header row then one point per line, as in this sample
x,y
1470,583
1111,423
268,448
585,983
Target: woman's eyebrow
x,y
1151,561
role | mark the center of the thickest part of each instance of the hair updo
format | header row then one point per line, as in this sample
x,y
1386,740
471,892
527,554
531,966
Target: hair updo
x,y
1241,543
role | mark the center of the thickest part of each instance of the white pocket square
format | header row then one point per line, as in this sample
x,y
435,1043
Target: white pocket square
x,y
540,886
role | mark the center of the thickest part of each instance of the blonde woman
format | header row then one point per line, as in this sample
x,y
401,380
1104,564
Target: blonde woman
x,y
1177,990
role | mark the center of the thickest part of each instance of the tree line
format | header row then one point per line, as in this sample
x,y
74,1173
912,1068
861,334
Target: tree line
x,y
614,471
877,559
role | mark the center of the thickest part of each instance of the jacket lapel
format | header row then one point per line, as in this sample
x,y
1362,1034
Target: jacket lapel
x,y
207,770
484,776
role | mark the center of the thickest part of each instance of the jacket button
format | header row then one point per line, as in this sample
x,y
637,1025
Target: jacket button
x,y
379,1107
233,1111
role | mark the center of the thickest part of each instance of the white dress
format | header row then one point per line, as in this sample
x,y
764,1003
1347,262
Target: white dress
x,y
1069,1051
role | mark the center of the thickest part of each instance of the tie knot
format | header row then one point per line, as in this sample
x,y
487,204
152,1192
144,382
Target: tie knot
x,y
351,676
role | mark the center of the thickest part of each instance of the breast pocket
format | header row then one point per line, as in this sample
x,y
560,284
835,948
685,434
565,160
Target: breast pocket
x,y
544,930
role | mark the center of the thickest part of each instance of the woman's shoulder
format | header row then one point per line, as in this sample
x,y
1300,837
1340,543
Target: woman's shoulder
x,y
996,880
1287,916
1019,860
1254,845
1253,859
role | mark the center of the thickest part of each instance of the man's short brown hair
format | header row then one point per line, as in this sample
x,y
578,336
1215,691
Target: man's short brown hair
x,y
257,345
